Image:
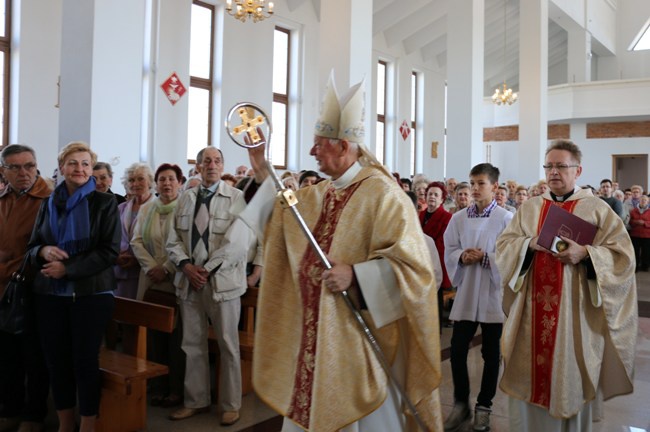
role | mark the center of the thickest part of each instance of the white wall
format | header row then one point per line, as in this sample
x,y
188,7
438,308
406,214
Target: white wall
x,y
243,73
601,22
631,16
431,115
36,52
117,83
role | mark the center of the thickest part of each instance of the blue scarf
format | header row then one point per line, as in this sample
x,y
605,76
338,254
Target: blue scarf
x,y
70,217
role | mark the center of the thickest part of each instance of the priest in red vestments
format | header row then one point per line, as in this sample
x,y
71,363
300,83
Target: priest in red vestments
x,y
572,316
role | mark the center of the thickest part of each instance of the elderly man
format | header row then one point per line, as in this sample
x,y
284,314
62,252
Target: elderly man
x,y
205,289
311,362
24,383
571,322
241,171
450,203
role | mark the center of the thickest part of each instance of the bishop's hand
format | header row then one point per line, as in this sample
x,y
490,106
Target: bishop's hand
x,y
339,278
257,156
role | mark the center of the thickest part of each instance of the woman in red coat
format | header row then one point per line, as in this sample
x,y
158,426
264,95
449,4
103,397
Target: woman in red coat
x,y
434,220
640,233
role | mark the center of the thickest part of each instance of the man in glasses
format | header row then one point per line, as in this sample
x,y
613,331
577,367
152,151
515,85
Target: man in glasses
x,y
24,382
571,323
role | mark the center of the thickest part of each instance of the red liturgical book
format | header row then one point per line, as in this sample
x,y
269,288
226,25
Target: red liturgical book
x,y
560,222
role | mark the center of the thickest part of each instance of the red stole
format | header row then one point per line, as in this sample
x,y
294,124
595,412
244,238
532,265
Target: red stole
x,y
547,292
309,278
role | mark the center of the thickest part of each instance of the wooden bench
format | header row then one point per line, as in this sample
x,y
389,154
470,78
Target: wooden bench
x,y
123,406
246,337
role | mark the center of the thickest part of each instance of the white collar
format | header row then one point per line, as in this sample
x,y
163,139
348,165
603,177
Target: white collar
x,y
347,177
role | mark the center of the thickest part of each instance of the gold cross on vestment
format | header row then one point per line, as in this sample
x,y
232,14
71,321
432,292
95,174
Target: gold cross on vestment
x,y
249,124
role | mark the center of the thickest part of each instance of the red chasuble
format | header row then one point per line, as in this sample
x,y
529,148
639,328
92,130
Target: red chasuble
x,y
547,291
310,276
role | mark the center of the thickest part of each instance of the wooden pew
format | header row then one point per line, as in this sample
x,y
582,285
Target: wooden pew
x,y
246,337
123,406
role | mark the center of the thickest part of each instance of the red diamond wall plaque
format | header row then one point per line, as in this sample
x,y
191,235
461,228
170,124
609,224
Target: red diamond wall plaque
x,y
173,88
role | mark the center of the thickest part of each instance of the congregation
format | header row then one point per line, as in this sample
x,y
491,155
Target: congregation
x,y
197,244
154,254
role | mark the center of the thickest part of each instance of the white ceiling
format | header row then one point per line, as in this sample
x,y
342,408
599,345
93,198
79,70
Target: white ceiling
x,y
421,26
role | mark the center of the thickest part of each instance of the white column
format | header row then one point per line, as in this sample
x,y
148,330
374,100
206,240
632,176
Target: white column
x,y
579,55
244,73
465,41
346,47
170,33
117,79
75,100
434,126
533,89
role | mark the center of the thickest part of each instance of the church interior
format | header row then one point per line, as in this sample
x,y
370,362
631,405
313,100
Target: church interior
x,y
449,84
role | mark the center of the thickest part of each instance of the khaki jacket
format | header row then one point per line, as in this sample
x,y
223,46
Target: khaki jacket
x,y
227,278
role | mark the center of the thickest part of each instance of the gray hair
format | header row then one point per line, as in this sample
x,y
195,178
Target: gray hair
x,y
138,166
15,149
199,156
104,165
354,147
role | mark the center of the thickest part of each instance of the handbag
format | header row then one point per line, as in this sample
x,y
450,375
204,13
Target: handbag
x,y
12,303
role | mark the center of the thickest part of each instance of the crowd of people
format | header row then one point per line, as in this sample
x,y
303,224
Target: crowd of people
x,y
199,243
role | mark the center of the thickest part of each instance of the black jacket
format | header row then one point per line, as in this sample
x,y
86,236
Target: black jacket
x,y
91,271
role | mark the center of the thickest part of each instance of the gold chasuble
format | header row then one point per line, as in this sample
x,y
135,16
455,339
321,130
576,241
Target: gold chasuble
x,y
311,362
565,335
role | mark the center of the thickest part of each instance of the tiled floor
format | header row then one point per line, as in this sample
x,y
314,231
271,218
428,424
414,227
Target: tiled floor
x,y
623,414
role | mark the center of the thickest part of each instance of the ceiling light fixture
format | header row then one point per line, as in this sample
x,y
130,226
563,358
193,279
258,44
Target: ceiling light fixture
x,y
253,9
505,96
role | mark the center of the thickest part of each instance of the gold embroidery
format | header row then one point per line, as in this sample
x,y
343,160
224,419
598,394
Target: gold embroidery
x,y
548,298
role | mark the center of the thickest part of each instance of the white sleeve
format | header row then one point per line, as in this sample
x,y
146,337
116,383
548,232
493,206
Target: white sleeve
x,y
258,211
379,288
453,250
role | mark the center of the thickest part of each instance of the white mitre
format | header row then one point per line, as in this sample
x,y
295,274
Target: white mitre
x,y
343,118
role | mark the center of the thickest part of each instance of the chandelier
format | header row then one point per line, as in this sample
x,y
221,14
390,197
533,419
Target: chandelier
x,y
505,96
253,9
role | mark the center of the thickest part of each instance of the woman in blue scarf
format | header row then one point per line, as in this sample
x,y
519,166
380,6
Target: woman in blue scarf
x,y
74,244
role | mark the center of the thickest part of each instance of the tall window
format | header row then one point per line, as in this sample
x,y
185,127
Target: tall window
x,y
200,92
280,113
380,143
5,44
414,109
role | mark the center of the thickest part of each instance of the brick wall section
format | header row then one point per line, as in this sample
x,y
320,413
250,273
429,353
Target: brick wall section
x,y
618,129
511,133
559,131
502,133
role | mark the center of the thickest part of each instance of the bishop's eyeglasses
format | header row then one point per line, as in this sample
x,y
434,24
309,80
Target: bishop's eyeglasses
x,y
558,167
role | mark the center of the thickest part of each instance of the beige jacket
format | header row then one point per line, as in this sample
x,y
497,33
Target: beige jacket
x,y
229,280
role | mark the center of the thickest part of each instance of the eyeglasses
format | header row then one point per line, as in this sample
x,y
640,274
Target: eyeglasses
x,y
16,168
558,167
